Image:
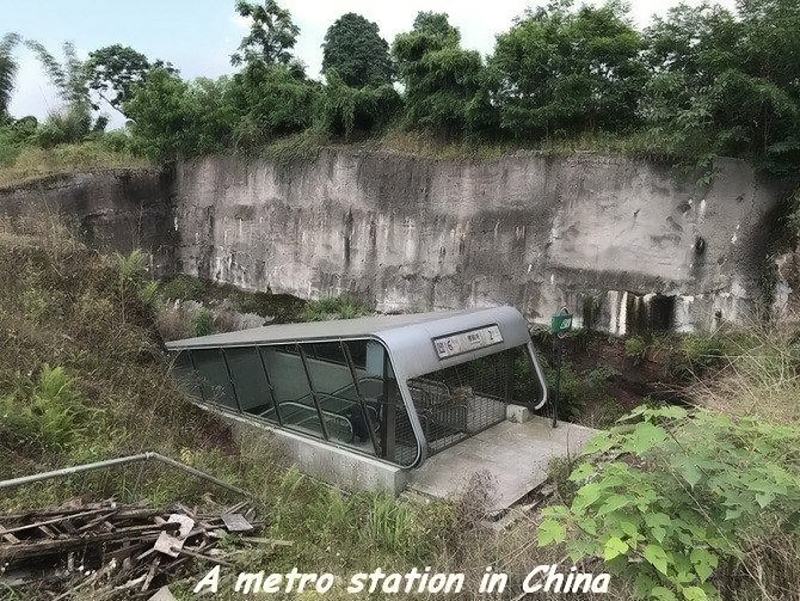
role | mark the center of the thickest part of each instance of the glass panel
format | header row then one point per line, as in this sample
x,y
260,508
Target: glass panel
x,y
338,397
183,372
387,412
290,388
216,385
251,382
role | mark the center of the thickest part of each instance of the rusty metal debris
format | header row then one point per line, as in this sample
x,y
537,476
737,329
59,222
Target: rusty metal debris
x,y
116,550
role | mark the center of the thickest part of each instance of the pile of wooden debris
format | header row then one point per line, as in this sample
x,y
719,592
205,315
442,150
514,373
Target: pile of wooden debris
x,y
119,551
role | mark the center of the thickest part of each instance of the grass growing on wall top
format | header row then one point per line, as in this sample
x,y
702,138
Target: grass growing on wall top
x,y
30,162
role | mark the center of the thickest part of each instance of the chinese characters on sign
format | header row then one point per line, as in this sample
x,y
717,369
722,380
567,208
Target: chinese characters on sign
x,y
455,344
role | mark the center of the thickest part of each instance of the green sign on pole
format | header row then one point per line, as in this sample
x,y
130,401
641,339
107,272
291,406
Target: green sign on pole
x,y
561,322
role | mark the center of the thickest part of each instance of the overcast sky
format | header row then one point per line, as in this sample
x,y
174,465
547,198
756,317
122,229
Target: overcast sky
x,y
198,36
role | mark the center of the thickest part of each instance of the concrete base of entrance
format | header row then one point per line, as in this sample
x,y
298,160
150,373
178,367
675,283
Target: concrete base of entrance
x,y
512,456
335,465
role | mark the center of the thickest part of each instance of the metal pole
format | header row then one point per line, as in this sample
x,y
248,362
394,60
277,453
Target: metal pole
x,y
149,456
270,387
362,402
230,379
557,391
314,396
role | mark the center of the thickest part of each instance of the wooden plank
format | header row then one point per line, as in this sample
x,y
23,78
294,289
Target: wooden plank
x,y
32,549
48,522
236,522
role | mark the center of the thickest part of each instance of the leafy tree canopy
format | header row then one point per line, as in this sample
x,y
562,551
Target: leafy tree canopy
x,y
69,77
727,85
354,48
432,31
564,71
272,35
113,71
271,102
441,78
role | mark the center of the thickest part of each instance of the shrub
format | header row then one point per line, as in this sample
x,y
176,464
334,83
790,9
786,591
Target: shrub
x,y
561,71
636,349
50,414
183,287
343,111
578,390
334,307
270,102
687,505
69,126
697,353
203,322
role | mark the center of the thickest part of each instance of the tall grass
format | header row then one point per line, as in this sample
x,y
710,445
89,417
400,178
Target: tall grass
x,y
760,375
31,162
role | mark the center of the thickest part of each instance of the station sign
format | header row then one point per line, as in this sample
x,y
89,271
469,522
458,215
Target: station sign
x,y
464,342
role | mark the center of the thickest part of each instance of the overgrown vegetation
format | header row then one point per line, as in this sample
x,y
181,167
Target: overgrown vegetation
x,y
698,506
83,377
82,362
699,82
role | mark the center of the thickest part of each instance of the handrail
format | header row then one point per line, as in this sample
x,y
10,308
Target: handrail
x,y
148,456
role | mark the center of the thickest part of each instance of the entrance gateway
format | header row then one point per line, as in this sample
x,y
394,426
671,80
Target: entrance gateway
x,y
398,388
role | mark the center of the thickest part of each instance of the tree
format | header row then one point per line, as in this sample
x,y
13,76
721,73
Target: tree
x,y
441,79
73,121
8,70
727,85
171,117
271,101
564,71
343,111
354,48
431,32
114,71
69,77
272,34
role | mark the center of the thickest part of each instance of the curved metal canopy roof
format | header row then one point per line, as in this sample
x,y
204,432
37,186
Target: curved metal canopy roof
x,y
408,338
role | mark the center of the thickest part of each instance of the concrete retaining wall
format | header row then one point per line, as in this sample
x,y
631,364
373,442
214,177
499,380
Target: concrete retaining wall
x,y
621,242
119,210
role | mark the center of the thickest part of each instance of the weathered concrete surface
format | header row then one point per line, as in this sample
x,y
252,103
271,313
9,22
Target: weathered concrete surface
x,y
513,457
119,209
619,241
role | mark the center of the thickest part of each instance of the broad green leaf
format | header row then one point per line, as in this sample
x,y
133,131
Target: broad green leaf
x,y
633,414
668,411
690,472
585,496
582,472
629,528
658,523
694,593
662,594
645,436
657,557
613,503
703,562
600,443
613,548
764,498
551,531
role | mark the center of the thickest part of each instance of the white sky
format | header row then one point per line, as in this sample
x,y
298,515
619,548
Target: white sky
x,y
219,31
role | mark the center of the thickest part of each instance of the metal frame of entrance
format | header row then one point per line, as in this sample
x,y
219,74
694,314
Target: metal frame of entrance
x,y
380,395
